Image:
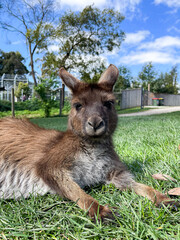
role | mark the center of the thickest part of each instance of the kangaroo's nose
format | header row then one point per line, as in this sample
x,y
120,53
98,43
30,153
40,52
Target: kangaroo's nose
x,y
96,123
95,126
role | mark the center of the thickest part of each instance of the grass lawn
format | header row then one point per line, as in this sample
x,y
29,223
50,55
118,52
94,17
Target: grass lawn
x,y
148,145
30,114
132,110
55,112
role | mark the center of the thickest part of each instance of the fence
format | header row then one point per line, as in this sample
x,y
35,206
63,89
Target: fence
x,y
169,99
132,98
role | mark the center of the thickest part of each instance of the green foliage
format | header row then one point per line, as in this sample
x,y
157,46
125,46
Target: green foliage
x,y
164,83
22,87
82,37
124,79
167,83
66,107
47,89
92,77
5,106
33,19
30,105
136,83
147,75
12,63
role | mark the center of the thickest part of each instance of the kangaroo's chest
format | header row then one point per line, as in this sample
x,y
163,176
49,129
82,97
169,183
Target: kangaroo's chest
x,y
91,167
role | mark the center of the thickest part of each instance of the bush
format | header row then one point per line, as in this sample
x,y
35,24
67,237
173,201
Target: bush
x,y
5,106
31,105
47,89
67,107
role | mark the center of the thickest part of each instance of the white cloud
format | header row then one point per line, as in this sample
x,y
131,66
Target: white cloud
x,y
135,38
120,5
131,40
162,43
169,3
163,50
17,42
53,48
135,58
125,5
77,5
173,29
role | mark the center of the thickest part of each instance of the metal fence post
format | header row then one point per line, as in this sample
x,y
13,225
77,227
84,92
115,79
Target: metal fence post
x,y
12,102
142,98
61,102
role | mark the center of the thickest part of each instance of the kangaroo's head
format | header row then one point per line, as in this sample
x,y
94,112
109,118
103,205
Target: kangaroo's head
x,y
93,113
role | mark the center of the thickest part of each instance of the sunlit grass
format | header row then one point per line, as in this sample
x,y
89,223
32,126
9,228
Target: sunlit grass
x,y
148,145
31,114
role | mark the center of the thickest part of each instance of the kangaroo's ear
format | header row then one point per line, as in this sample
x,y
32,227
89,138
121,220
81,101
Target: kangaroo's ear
x,y
109,77
69,80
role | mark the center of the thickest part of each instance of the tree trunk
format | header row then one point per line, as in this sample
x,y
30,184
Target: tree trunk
x,y
32,65
63,94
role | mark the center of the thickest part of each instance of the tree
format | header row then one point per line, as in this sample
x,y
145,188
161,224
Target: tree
x,y
124,79
147,75
22,87
32,20
12,63
47,89
173,77
82,37
167,82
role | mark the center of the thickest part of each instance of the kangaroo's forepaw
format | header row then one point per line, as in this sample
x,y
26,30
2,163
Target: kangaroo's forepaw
x,y
103,213
174,204
107,213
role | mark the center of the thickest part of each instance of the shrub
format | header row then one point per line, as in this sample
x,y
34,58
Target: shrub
x,y
22,87
5,106
31,105
47,89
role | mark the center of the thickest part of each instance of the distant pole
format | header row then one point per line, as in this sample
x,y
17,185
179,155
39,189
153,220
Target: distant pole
x,y
12,102
142,105
22,95
149,87
61,102
63,94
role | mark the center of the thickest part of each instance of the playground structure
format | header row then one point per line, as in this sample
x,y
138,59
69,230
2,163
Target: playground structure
x,y
9,81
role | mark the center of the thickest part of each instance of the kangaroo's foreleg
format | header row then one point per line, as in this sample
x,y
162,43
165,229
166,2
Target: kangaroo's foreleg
x,y
64,185
124,180
155,196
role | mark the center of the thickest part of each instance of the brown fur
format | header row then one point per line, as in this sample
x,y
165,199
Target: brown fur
x,y
81,156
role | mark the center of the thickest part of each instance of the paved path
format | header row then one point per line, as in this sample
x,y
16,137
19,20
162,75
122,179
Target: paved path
x,y
152,111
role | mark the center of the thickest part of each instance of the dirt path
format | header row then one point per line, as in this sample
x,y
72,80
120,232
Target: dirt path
x,y
152,111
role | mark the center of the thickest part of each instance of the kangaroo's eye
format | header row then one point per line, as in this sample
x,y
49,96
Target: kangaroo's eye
x,y
77,106
109,104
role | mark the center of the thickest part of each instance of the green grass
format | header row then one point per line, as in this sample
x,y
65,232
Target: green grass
x,y
31,114
148,145
55,112
132,110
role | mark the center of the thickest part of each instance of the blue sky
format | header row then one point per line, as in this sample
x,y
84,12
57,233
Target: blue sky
x,y
152,30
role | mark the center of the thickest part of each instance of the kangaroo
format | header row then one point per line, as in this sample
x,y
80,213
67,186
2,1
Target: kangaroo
x,y
36,160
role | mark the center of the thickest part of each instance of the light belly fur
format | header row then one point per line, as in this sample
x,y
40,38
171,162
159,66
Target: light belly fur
x,y
16,182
